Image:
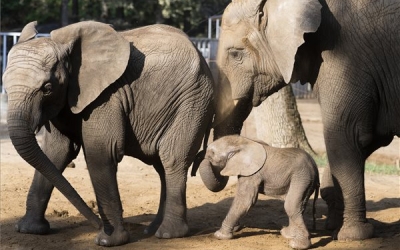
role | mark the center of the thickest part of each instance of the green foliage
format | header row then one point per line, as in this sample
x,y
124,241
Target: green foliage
x,y
90,9
15,14
321,160
188,15
373,167
370,166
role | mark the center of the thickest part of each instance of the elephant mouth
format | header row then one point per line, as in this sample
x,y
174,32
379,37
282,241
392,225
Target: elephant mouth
x,y
255,94
257,100
40,124
217,164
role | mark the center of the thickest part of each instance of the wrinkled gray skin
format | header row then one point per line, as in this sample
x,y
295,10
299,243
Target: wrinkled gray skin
x,y
349,51
268,170
145,93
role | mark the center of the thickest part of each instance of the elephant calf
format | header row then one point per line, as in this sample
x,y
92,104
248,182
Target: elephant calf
x,y
268,170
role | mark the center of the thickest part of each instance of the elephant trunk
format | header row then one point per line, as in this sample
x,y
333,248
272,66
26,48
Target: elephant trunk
x,y
24,141
228,120
211,176
232,123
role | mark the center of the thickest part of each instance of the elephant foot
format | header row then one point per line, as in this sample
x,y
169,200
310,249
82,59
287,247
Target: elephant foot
x,y
354,231
292,232
287,233
298,237
117,238
237,227
223,235
172,229
152,228
300,243
32,225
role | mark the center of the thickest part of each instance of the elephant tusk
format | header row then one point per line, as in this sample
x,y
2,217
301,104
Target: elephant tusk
x,y
235,102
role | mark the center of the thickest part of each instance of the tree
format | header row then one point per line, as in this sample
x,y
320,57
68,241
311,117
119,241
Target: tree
x,y
75,11
277,122
15,14
64,12
188,15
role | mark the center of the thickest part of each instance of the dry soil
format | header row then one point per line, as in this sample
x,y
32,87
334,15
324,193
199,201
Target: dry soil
x,y
140,187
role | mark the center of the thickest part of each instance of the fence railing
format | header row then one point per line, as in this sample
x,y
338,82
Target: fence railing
x,y
207,46
204,45
8,39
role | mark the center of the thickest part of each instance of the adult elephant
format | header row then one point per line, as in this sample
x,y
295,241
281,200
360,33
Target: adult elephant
x,y
146,93
350,52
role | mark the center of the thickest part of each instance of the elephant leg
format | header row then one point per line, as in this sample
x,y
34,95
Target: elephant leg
x,y
295,202
104,145
174,222
61,151
103,173
177,150
245,198
328,195
154,225
347,168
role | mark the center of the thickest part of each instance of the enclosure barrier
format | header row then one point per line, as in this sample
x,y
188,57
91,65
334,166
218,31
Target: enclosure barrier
x,y
207,46
8,39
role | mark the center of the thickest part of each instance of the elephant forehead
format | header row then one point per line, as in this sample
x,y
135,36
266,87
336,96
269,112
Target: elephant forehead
x,y
28,64
35,52
232,37
238,11
24,76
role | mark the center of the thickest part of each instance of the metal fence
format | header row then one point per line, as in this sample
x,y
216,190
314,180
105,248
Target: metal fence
x,y
207,46
8,39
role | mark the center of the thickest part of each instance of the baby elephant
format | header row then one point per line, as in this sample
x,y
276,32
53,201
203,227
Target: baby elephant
x,y
268,170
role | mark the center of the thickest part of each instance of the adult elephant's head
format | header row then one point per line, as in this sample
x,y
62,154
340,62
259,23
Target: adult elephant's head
x,y
44,75
258,43
257,52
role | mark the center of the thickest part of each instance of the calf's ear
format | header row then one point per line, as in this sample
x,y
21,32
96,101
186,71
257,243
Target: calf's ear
x,y
247,161
28,32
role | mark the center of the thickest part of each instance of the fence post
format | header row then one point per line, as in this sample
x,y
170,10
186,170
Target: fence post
x,y
398,156
4,61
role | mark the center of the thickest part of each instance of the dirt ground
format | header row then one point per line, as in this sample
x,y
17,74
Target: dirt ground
x,y
140,187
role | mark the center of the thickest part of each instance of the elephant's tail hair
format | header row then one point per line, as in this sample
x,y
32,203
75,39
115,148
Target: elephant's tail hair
x,y
200,155
314,203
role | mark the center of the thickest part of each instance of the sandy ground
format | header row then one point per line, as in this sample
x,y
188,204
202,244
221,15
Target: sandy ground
x,y
139,187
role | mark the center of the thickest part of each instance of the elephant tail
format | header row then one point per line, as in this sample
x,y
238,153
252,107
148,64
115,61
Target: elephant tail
x,y
200,155
314,203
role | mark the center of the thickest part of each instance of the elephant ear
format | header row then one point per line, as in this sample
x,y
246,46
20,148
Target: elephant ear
x,y
285,22
28,32
247,161
98,57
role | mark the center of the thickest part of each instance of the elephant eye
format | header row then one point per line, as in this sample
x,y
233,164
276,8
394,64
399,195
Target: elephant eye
x,y
47,88
231,154
236,54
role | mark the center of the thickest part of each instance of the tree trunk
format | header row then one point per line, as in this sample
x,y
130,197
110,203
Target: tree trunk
x,y
277,122
158,12
75,11
104,11
64,13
